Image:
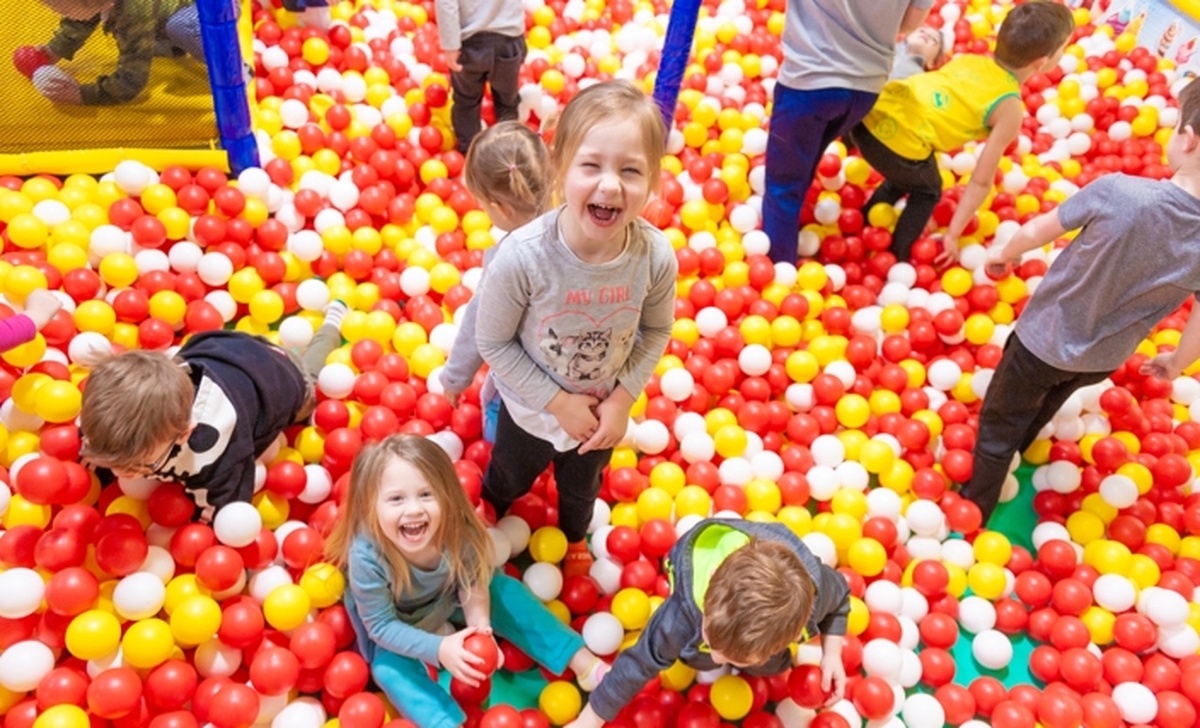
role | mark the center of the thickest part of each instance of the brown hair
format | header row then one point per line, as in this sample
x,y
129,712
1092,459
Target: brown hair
x,y
1031,31
508,164
758,601
1189,106
462,536
607,103
132,403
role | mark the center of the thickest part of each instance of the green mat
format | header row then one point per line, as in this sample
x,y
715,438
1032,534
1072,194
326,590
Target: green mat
x,y
1016,519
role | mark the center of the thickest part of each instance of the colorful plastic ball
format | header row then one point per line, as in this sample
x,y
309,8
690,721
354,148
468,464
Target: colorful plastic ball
x,y
603,633
147,643
632,607
732,697
237,524
93,634
548,544
992,649
57,401
62,716
560,701
867,556
195,620
286,607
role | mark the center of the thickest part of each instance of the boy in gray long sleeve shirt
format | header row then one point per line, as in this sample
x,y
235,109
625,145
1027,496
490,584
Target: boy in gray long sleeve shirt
x,y
484,44
741,593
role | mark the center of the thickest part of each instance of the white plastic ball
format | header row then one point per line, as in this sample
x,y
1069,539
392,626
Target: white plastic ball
x,y
1119,491
21,593
24,664
992,649
922,710
651,437
603,633
828,450
336,380
607,574
139,595
517,531
677,384
1136,702
881,658
754,360
237,524
976,614
924,517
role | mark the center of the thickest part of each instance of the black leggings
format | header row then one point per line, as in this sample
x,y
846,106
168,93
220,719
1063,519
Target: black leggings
x,y
1025,393
919,180
518,458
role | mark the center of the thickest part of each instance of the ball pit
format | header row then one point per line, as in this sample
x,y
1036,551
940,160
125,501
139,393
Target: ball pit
x,y
838,396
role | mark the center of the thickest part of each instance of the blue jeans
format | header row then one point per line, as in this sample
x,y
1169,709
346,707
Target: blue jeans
x,y
183,28
803,124
517,616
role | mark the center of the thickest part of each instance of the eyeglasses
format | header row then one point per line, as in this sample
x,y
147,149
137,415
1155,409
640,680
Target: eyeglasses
x,y
160,461
139,469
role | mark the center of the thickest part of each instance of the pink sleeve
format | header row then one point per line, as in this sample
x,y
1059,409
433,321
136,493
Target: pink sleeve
x,y
16,330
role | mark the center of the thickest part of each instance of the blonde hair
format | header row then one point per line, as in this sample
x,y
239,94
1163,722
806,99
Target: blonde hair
x,y
133,402
607,103
758,601
462,536
508,164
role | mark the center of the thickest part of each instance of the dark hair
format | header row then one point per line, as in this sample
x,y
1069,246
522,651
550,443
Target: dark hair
x,y
1031,31
758,601
1189,106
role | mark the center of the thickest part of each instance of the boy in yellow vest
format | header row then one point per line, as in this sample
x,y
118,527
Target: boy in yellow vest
x,y
971,98
741,593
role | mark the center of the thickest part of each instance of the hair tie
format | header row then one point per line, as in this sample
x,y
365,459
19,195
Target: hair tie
x,y
512,168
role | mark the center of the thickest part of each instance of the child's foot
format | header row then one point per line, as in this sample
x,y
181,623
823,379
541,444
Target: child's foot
x,y
590,678
334,313
578,561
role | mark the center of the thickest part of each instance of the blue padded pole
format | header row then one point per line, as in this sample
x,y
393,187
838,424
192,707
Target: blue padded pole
x,y
223,53
677,46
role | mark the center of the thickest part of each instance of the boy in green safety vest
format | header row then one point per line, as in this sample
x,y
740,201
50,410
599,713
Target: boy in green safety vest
x,y
742,593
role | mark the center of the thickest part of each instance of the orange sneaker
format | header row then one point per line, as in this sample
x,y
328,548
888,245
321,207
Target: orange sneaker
x,y
578,561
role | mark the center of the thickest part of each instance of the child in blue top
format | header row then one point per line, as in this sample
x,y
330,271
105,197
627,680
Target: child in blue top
x,y
418,558
507,170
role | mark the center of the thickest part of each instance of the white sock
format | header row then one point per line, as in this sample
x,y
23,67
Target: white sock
x,y
334,313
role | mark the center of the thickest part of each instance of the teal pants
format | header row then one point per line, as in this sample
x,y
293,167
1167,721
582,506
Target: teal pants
x,y
517,616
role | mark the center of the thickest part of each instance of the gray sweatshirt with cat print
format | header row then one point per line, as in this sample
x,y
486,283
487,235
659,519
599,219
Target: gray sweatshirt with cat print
x,y
548,321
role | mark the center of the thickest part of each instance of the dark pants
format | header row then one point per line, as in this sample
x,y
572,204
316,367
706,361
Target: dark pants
x,y
1024,395
803,124
519,458
488,58
921,181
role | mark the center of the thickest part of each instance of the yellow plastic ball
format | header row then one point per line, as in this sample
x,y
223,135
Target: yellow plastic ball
x,y
23,280
266,307
286,607
632,607
95,316
693,500
57,401
730,441
62,716
732,697
195,620
324,584
93,634
27,231
844,530
987,580
548,544
852,410
654,503
993,547
169,306
425,358
763,495
27,354
867,556
560,701
147,643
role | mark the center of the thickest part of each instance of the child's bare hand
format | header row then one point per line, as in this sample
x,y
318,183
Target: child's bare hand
x,y
999,264
613,418
1162,366
458,661
452,60
574,414
949,254
41,305
451,396
586,719
833,677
